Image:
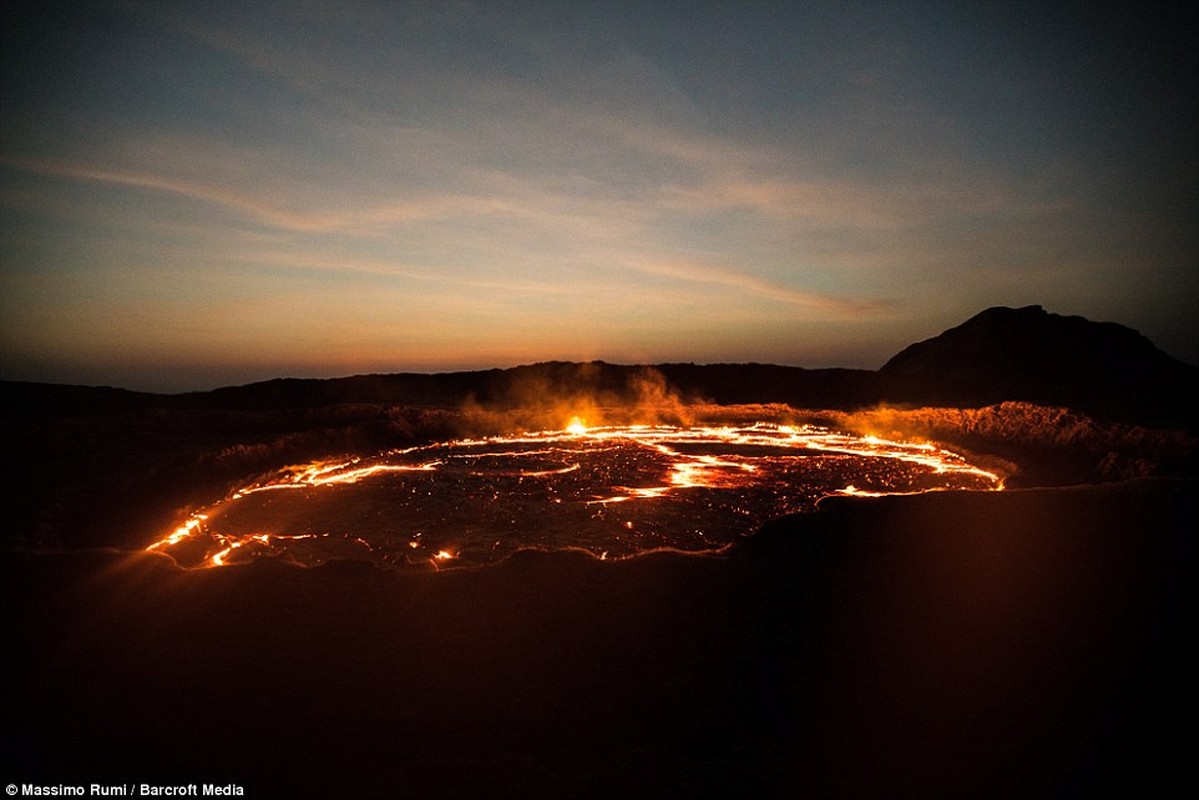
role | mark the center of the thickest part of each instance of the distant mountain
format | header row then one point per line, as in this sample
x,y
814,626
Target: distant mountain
x,y
1030,354
1001,354
523,386
28,399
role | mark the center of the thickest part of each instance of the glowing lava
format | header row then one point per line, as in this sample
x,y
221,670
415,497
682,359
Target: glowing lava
x,y
614,492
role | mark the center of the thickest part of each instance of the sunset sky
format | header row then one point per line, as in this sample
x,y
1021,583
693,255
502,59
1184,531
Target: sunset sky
x,y
202,194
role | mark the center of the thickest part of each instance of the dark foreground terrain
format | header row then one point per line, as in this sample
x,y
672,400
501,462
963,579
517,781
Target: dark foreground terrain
x,y
1026,643
1020,644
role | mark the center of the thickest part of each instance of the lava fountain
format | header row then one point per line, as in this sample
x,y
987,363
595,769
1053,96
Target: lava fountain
x,y
612,491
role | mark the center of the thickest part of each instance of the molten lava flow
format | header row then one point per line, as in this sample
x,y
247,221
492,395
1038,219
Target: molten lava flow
x,y
613,491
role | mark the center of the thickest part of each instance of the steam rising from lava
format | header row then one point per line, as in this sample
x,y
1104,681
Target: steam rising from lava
x,y
547,400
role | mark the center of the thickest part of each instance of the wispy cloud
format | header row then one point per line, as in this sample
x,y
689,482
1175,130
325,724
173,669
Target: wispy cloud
x,y
742,281
527,173
261,210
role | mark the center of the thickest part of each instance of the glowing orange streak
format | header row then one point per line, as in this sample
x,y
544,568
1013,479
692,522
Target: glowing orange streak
x,y
853,491
355,475
182,532
545,472
321,474
327,476
218,558
940,461
690,473
684,474
513,440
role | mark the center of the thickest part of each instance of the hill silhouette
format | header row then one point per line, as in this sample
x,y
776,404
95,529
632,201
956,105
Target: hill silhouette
x,y
1032,355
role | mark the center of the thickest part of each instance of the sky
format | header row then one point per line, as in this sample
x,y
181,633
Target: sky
x,y
203,194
